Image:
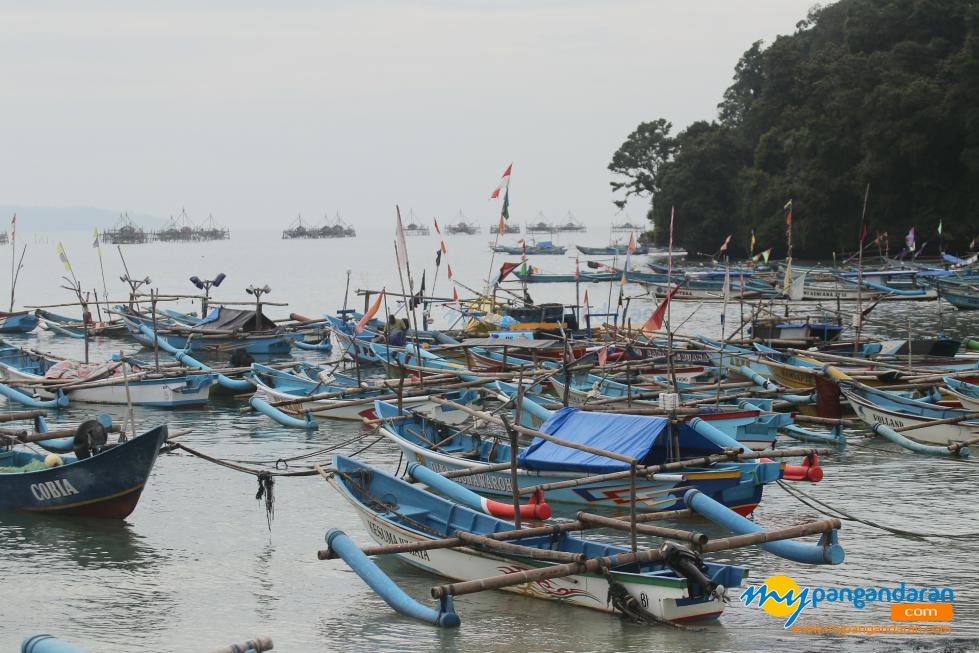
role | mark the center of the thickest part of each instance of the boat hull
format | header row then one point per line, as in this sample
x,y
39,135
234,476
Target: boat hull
x,y
107,485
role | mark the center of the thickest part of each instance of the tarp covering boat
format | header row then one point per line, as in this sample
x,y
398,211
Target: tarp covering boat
x,y
641,437
232,319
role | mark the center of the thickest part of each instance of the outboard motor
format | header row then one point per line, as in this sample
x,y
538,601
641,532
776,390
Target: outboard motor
x,y
688,564
90,437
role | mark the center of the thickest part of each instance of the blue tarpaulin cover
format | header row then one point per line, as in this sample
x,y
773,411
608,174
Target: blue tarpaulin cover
x,y
641,437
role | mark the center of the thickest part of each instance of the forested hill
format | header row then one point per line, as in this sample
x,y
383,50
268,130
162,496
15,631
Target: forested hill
x,y
878,92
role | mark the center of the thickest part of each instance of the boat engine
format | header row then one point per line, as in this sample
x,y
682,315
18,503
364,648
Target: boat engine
x,y
90,437
688,564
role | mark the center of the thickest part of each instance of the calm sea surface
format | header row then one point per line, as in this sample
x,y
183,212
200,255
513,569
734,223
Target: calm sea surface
x,y
196,565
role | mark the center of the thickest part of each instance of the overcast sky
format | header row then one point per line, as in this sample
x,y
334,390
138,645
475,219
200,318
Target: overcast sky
x,y
256,111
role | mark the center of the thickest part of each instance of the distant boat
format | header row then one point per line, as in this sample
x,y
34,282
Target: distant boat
x,y
615,249
544,247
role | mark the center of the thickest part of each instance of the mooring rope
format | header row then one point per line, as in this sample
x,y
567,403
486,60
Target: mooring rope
x,y
831,511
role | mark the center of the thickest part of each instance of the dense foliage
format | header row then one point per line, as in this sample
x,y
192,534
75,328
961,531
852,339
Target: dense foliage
x,y
878,92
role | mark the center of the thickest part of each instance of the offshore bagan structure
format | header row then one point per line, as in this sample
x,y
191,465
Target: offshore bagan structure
x,y
462,226
182,229
125,232
336,228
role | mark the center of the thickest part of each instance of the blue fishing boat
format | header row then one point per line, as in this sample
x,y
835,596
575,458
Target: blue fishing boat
x,y
441,448
99,480
394,511
545,247
615,249
19,322
222,331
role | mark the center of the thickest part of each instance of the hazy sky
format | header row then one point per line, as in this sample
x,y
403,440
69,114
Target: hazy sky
x,y
256,111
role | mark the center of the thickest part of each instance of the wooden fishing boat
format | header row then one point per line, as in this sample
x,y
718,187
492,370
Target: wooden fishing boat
x,y
18,322
67,326
615,249
222,331
442,448
875,406
966,393
542,248
395,511
102,383
292,393
104,480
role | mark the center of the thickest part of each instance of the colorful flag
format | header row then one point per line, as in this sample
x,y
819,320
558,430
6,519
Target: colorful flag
x,y
95,242
587,310
753,241
727,241
939,227
437,230
788,216
504,182
762,255
64,257
438,257
909,240
655,320
507,268
505,211
444,251
362,323
448,266
863,232
455,295
419,297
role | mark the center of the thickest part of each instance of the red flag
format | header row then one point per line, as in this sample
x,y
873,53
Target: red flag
x,y
727,242
502,228
455,295
788,216
504,182
449,267
444,251
863,232
655,320
507,268
437,230
369,314
587,313
577,271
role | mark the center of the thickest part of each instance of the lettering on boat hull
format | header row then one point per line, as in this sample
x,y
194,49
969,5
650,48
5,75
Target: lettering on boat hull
x,y
53,489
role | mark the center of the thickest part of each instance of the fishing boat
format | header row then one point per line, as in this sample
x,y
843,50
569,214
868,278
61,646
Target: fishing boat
x,y
395,511
222,331
531,275
68,326
114,382
615,249
442,449
18,322
296,396
100,480
889,409
544,247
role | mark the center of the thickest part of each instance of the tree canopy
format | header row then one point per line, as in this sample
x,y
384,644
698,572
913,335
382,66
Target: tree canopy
x,y
878,92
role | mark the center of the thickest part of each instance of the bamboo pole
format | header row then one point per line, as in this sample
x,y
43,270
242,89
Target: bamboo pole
x,y
596,565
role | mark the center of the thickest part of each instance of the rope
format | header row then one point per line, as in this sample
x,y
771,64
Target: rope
x,y
830,511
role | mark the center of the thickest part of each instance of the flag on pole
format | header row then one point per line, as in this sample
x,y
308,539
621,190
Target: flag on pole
x,y
13,226
628,260
909,240
362,323
438,257
437,230
972,245
507,268
788,216
455,295
505,210
753,241
762,255
448,266
400,246
655,320
863,233
727,241
939,227
504,182
577,270
95,242
419,296
64,258
587,312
